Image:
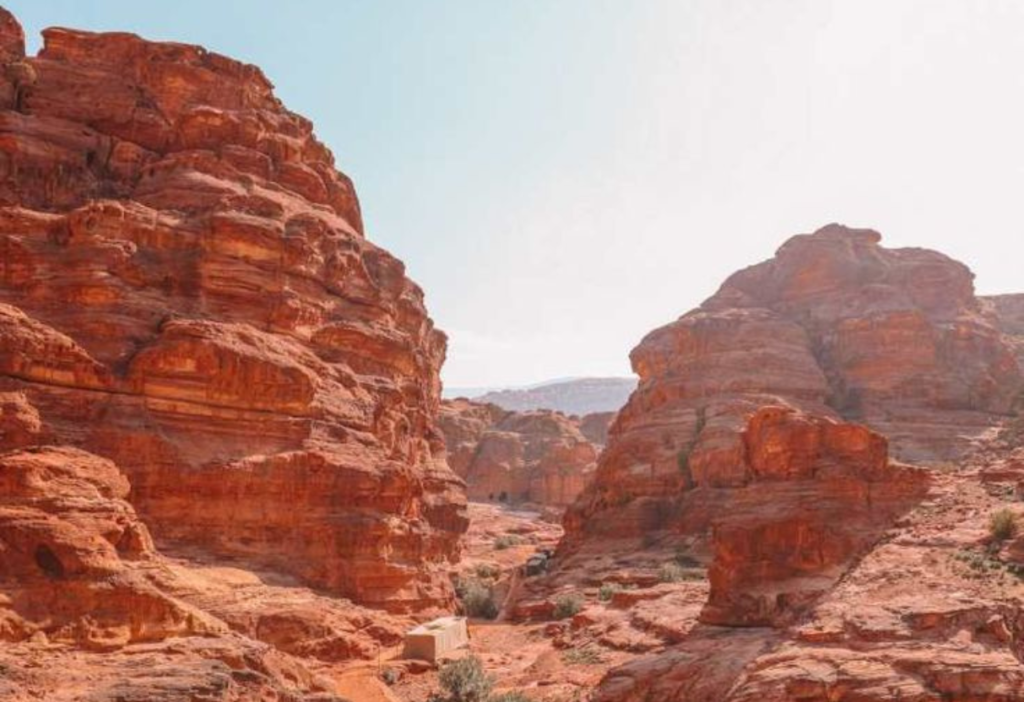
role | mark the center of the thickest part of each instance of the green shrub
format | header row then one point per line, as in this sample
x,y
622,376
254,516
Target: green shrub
x,y
607,590
683,462
464,680
507,541
487,571
683,458
671,573
567,605
587,655
1002,525
477,598
390,676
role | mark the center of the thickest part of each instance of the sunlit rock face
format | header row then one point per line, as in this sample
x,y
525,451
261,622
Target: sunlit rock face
x,y
834,325
771,435
538,456
186,290
820,493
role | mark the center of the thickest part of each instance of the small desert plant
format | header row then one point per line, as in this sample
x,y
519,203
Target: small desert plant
x,y
466,681
683,463
390,676
982,565
567,605
507,541
509,697
671,572
1002,525
685,560
607,591
582,656
477,598
487,571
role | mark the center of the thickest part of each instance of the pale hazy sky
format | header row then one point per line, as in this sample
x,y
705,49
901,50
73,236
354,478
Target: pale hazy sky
x,y
562,176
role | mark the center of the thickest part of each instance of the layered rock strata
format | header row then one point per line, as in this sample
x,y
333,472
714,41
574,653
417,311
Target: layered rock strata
x,y
760,436
821,493
541,456
1008,311
185,289
834,325
931,613
80,576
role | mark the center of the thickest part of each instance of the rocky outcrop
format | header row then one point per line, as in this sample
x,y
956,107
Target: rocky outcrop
x,y
595,426
66,529
539,457
218,400
820,493
834,325
1008,312
463,423
186,290
931,613
79,574
759,436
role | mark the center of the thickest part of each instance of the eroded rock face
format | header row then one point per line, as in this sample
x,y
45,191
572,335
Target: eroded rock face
x,y
185,289
79,575
1008,311
539,456
760,435
820,493
65,529
200,352
834,325
931,613
595,426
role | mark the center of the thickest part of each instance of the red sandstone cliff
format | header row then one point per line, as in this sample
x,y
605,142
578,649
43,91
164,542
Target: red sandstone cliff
x,y
539,456
831,566
1008,313
835,325
595,426
200,348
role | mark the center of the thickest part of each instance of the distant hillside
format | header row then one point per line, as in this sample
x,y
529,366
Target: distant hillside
x,y
577,396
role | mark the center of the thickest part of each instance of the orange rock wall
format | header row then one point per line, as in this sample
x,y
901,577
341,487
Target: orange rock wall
x,y
1008,312
835,325
821,492
835,572
540,456
185,289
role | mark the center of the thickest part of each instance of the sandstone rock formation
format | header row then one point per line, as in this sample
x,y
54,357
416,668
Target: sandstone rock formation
x,y
820,492
79,575
595,426
463,423
931,613
758,436
540,456
834,325
215,393
1008,311
185,288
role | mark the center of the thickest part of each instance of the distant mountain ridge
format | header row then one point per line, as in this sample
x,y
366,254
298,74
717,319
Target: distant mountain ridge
x,y
572,396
